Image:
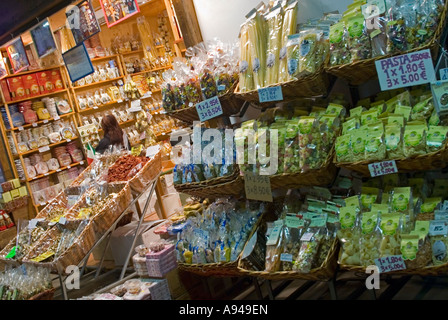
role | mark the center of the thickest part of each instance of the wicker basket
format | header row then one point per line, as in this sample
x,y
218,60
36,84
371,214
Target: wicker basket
x,y
325,272
222,269
148,173
61,200
230,188
230,104
315,177
312,85
211,182
44,295
71,256
111,211
430,161
361,71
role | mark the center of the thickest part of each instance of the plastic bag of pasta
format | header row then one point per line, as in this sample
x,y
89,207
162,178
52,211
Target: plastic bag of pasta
x,y
438,236
375,146
375,21
308,50
343,148
274,21
274,247
414,140
391,228
339,51
423,109
310,243
358,144
436,138
358,38
349,235
394,141
310,141
370,241
288,28
428,14
291,156
396,29
292,232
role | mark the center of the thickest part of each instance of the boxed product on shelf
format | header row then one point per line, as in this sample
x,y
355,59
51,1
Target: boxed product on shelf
x,y
45,82
6,91
16,88
159,263
31,85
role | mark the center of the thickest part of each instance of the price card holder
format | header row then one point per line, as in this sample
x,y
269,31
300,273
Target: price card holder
x,y
57,118
152,151
270,94
20,128
62,220
390,263
81,162
45,121
383,168
34,124
405,70
257,187
209,109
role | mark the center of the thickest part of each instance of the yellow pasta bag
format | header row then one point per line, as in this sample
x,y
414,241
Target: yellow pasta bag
x,y
391,227
370,241
349,236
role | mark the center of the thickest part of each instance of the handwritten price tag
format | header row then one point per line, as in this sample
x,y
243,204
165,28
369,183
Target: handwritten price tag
x,y
270,94
257,187
443,74
57,118
390,263
405,70
383,168
209,109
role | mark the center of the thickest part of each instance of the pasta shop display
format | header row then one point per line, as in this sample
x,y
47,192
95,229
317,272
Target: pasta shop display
x,y
24,282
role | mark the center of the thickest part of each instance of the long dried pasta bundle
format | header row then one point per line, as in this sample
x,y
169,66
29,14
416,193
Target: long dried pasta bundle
x,y
274,20
147,39
246,77
289,28
257,38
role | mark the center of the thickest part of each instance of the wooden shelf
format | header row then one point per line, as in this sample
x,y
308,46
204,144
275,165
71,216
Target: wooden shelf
x,y
26,126
50,146
148,71
56,171
37,97
132,52
29,72
103,106
104,58
97,83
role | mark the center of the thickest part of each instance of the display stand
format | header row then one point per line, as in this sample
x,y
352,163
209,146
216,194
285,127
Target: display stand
x,y
108,234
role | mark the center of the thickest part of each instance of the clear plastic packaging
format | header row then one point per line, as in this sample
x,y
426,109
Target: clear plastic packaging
x,y
274,22
349,235
288,28
370,238
391,227
394,141
339,51
358,38
414,140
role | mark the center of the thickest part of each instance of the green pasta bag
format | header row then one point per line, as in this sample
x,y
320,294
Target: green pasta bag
x,y
414,140
350,124
402,99
394,141
349,236
436,138
405,111
391,228
396,120
430,205
378,105
434,120
358,144
380,208
293,56
339,51
356,112
281,131
291,156
368,197
375,146
370,241
310,143
369,117
343,148
423,110
335,109
358,38
402,201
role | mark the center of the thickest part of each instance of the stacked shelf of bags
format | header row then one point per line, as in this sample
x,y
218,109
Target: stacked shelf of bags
x,y
401,214
299,241
403,126
275,53
305,137
210,71
65,229
358,39
211,236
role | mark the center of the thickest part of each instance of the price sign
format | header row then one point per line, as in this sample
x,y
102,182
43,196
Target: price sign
x,y
257,187
390,263
44,149
57,118
152,151
95,107
383,168
270,94
69,140
81,163
58,170
20,128
69,167
119,101
135,106
209,109
405,70
34,124
443,74
45,121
